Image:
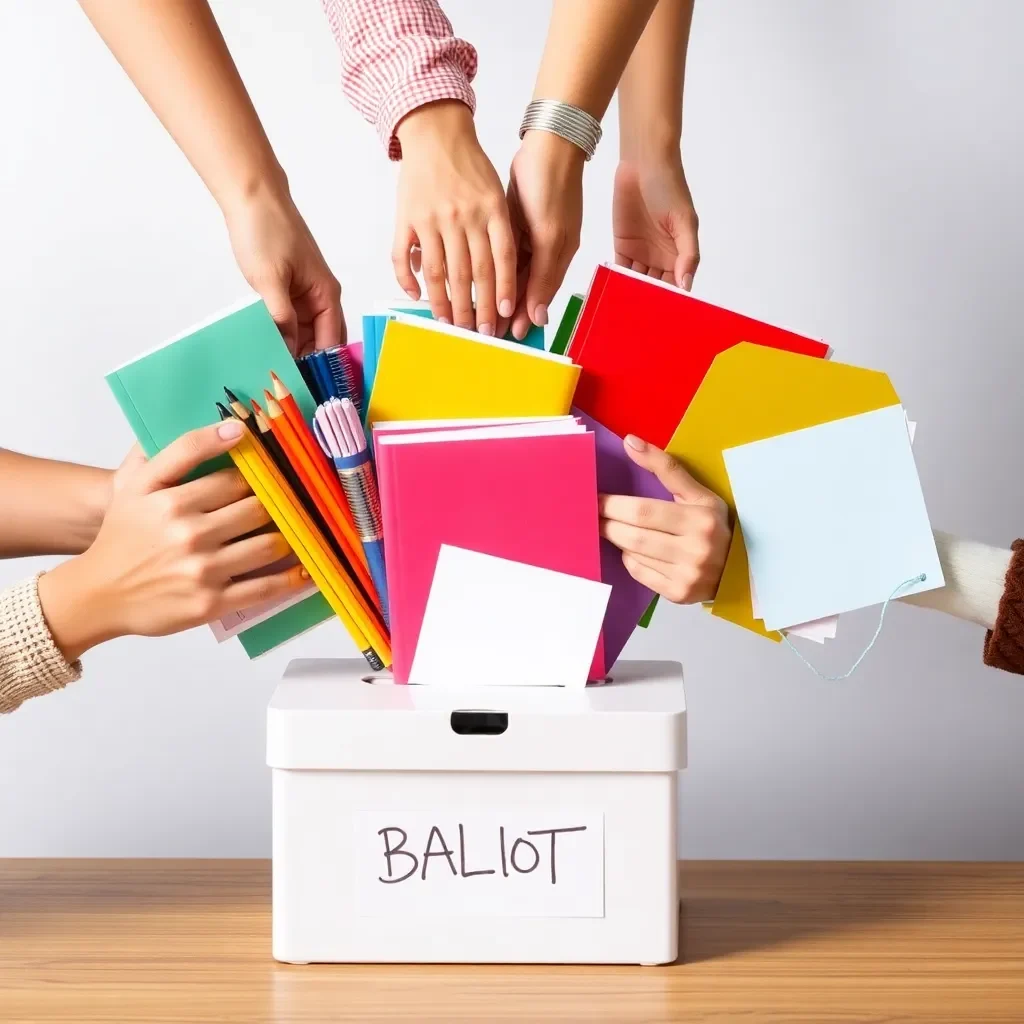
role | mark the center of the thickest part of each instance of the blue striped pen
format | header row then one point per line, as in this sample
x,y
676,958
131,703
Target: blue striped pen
x,y
342,370
339,433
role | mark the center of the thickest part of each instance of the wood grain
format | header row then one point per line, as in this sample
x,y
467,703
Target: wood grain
x,y
173,942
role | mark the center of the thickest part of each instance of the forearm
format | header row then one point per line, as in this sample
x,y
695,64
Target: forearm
x,y
48,507
588,45
651,90
174,53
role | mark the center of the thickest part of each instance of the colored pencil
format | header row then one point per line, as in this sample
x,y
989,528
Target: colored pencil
x,y
259,474
294,416
340,433
311,480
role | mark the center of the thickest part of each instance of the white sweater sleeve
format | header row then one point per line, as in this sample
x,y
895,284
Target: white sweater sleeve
x,y
975,576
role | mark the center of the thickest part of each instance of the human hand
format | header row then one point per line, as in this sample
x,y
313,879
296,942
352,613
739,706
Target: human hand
x,y
676,548
653,220
164,558
279,258
545,203
452,207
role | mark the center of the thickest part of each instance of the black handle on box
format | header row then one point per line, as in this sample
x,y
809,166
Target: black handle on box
x,y
479,723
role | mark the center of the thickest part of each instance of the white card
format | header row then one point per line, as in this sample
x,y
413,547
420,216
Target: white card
x,y
818,630
493,622
491,862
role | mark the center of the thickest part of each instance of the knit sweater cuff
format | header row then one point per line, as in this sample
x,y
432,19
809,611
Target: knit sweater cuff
x,y
31,664
1004,644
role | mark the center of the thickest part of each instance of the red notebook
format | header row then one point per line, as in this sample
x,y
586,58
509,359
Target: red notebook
x,y
529,498
644,348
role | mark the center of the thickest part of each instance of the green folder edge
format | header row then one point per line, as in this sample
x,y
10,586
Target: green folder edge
x,y
285,625
645,619
565,326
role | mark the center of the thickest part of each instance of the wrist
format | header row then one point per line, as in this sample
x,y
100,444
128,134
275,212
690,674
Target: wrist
x,y
259,186
652,141
433,124
77,607
555,152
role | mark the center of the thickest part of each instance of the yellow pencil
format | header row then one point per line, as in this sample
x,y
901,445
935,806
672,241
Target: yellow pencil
x,y
358,610
306,545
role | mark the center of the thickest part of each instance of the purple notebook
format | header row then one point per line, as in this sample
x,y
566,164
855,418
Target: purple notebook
x,y
618,474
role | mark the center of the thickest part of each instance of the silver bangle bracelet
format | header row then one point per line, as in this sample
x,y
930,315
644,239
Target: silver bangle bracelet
x,y
564,120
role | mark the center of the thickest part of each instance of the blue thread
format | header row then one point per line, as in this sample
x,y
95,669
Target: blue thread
x,y
864,653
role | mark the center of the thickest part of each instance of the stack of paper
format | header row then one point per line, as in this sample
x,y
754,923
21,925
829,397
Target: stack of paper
x,y
522,493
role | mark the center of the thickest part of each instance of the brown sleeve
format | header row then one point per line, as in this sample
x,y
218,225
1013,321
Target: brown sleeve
x,y
1004,644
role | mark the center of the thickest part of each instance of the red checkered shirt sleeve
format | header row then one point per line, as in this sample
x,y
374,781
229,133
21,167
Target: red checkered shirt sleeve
x,y
396,56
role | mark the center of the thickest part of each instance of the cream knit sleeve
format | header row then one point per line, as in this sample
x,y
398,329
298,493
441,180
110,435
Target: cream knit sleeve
x,y
30,662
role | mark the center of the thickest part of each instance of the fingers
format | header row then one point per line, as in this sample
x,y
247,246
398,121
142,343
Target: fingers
x,y
235,520
250,554
459,271
649,513
551,257
670,473
434,276
684,234
402,260
503,249
187,453
275,294
482,264
328,322
129,469
646,575
665,547
214,491
247,593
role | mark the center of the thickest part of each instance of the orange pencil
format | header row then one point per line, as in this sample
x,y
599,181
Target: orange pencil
x,y
316,455
281,429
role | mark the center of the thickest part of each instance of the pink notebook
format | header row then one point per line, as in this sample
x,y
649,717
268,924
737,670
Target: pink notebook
x,y
525,492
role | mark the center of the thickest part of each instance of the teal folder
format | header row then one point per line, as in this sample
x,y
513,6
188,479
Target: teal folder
x,y
172,389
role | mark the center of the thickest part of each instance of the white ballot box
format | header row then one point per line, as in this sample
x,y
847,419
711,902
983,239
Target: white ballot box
x,y
417,824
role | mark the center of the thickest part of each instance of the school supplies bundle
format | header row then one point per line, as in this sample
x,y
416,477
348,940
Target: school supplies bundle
x,y
441,487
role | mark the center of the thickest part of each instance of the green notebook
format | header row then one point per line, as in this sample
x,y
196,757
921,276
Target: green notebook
x,y
172,389
560,342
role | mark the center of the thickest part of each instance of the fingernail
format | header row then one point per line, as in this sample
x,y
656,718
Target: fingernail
x,y
687,282
487,329
519,332
505,307
443,320
540,315
635,443
229,430
303,574
412,294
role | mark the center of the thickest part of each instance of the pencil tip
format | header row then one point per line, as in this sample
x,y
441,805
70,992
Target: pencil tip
x,y
255,405
224,414
232,397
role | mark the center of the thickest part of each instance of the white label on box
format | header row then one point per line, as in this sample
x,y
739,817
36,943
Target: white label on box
x,y
521,862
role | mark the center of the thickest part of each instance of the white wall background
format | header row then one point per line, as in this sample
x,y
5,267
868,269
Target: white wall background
x,y
857,169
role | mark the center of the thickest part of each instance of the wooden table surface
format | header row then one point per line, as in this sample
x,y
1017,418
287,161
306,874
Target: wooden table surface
x,y
172,942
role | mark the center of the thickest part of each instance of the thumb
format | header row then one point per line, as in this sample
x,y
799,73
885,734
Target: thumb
x,y
669,471
547,268
684,235
275,296
129,469
190,451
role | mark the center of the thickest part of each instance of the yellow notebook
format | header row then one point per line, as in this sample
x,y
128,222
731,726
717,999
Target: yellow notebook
x,y
752,392
430,371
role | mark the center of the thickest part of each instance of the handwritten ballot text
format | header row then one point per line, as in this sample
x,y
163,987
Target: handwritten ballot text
x,y
544,862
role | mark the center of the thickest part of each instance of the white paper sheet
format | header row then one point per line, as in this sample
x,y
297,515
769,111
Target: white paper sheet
x,y
493,622
492,862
